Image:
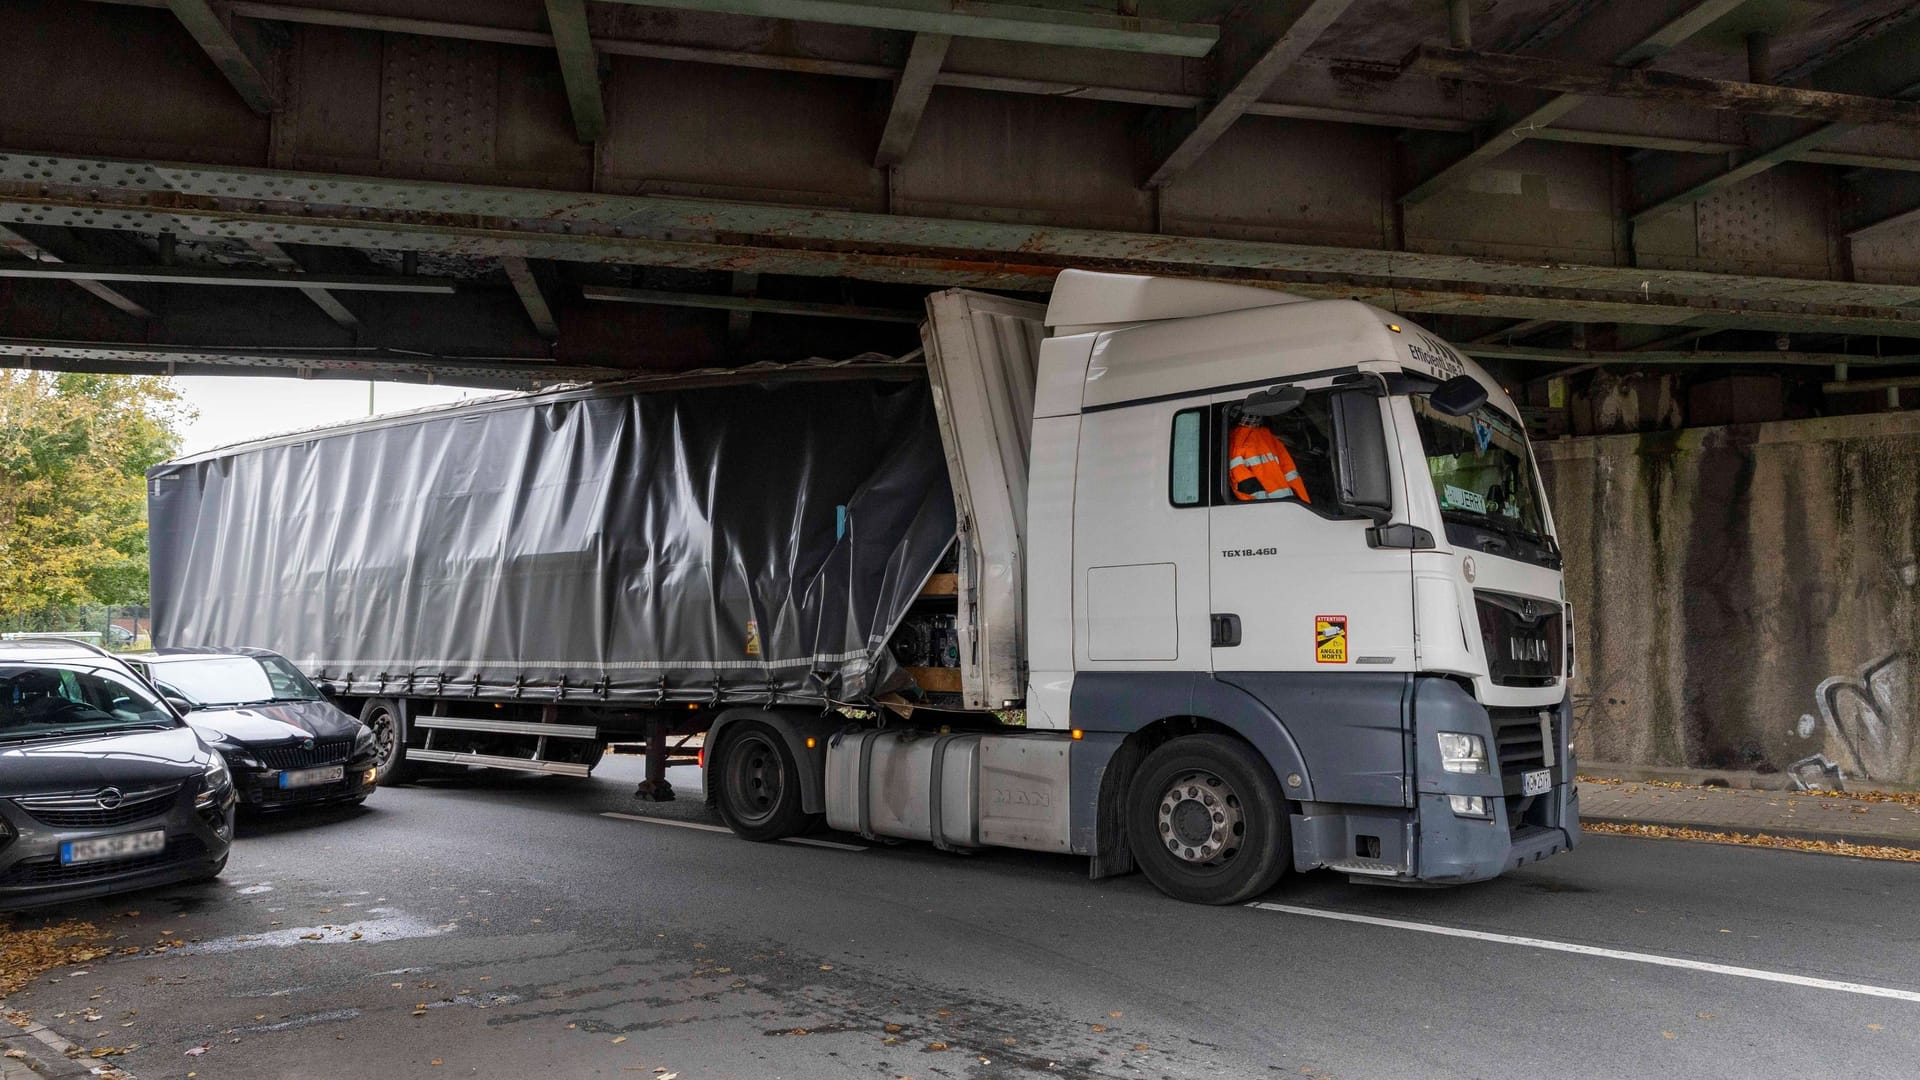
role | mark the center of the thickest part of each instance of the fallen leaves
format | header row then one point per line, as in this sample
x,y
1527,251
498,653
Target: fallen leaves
x,y
618,1039
1786,843
26,954
198,1050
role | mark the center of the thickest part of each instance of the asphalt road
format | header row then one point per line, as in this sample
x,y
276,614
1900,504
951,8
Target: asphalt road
x,y
505,927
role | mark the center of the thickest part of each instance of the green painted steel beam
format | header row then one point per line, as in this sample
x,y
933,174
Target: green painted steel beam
x,y
226,52
758,304
579,67
1275,37
539,313
491,222
1513,127
910,95
249,279
1673,357
965,18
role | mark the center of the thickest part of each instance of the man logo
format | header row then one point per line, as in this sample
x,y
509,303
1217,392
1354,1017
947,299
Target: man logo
x,y
1530,650
1528,610
109,798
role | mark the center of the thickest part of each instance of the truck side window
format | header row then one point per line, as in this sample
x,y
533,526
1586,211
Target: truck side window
x,y
1185,479
1299,469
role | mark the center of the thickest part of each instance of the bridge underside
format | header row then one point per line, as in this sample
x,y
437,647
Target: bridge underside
x,y
510,192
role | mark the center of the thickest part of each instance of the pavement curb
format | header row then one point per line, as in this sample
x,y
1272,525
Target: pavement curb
x,y
47,1053
1816,835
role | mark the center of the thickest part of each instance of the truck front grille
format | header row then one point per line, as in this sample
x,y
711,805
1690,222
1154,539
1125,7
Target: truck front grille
x,y
1521,742
1524,639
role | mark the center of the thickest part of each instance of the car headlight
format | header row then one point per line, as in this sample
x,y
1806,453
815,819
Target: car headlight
x,y
1462,753
216,786
363,742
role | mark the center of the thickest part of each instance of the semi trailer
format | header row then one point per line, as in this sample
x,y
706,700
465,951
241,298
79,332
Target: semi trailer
x,y
1200,579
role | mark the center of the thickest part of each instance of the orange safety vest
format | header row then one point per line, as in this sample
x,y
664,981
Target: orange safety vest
x,y
1260,467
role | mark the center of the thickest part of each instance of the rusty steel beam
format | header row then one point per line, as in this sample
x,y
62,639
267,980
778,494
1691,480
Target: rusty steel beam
x,y
579,67
1594,80
20,245
910,94
976,18
531,298
751,304
1882,67
226,52
250,279
1583,38
26,352
1278,35
490,222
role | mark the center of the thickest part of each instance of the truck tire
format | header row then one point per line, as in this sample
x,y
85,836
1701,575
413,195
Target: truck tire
x,y
1207,822
757,784
387,718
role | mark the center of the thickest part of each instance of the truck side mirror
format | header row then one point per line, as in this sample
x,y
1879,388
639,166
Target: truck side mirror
x,y
1273,401
1360,441
1458,396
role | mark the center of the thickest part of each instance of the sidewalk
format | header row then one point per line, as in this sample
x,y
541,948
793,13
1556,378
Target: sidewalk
x,y
1886,820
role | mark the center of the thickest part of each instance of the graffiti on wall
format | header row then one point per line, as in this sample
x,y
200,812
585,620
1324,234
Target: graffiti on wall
x,y
1864,720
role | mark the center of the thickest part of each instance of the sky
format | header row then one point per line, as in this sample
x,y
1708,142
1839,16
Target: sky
x,y
237,408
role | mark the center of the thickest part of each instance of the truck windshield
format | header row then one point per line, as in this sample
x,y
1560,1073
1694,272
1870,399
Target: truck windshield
x,y
47,701
234,680
1482,472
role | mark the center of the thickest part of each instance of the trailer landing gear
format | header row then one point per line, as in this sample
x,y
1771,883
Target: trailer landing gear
x,y
655,787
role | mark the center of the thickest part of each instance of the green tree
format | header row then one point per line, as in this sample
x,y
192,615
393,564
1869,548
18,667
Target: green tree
x,y
74,450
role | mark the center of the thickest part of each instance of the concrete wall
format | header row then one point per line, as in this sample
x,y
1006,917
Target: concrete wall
x,y
1746,596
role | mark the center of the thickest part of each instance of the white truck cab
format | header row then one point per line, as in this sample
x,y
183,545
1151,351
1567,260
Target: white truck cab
x,y
1364,671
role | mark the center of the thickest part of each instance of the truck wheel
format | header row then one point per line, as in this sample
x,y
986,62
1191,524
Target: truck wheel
x,y
759,784
1207,822
387,720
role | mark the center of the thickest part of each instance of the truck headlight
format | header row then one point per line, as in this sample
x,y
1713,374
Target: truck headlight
x,y
1468,805
1462,753
216,786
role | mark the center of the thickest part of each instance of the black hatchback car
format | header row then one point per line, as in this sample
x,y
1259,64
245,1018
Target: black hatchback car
x,y
286,744
103,788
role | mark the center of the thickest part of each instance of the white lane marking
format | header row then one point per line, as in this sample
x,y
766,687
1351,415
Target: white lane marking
x,y
668,821
387,926
834,844
704,827
1610,954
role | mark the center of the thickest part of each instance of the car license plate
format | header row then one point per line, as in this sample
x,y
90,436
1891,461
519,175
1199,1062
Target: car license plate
x,y
1536,782
332,774
102,848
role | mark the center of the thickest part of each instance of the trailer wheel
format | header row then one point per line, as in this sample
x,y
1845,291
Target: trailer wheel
x,y
1207,822
758,789
387,719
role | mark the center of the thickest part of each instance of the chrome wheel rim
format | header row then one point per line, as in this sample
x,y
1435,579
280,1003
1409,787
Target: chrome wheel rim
x,y
1200,819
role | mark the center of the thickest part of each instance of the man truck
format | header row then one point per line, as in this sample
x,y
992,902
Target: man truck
x,y
1029,592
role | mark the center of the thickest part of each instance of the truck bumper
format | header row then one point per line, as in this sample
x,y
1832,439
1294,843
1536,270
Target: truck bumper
x,y
1429,844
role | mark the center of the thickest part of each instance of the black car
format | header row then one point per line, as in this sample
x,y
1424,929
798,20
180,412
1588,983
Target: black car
x,y
286,744
103,788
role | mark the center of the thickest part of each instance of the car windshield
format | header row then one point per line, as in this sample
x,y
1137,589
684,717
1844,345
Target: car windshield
x,y
60,699
233,680
1482,470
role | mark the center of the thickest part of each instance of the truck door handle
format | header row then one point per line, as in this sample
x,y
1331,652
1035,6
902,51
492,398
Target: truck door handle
x,y
1226,631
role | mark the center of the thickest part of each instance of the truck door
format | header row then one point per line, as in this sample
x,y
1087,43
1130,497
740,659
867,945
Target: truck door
x,y
1305,614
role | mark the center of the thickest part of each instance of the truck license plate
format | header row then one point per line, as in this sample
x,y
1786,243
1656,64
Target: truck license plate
x,y
332,774
1536,782
102,848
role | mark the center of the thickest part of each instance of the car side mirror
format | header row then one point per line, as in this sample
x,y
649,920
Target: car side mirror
x,y
1361,465
1273,401
1458,396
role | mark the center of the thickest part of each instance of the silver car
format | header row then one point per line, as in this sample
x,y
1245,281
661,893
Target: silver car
x,y
103,787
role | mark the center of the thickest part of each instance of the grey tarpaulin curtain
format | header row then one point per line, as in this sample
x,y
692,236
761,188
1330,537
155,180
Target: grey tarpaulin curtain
x,y
729,543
